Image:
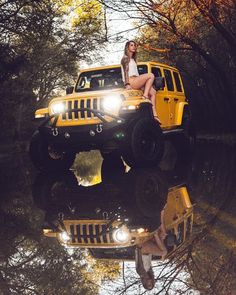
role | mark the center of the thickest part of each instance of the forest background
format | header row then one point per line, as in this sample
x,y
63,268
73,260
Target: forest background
x,y
43,44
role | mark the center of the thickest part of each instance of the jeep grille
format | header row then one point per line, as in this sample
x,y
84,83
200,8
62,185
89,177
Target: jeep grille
x,y
89,233
91,103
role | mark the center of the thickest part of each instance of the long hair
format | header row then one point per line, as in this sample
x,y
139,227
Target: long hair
x,y
127,47
148,276
145,276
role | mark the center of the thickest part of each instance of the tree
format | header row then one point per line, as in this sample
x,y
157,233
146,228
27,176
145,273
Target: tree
x,y
200,36
42,43
31,263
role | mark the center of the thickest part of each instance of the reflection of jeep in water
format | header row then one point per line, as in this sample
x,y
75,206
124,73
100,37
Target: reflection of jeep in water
x,y
98,113
117,233
114,217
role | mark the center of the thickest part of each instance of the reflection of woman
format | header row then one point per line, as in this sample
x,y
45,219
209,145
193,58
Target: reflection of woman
x,y
144,252
131,77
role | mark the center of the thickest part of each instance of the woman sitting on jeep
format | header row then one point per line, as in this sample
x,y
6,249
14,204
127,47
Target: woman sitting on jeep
x,y
131,77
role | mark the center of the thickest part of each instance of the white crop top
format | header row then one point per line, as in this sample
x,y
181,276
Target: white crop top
x,y
133,69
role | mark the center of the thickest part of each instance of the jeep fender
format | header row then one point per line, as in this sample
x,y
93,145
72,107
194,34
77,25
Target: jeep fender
x,y
146,108
181,107
144,111
41,113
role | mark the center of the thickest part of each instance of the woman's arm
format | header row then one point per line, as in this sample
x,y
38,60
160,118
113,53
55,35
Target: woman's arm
x,y
125,65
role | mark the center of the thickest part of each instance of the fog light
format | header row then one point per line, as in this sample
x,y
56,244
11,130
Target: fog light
x,y
67,135
119,135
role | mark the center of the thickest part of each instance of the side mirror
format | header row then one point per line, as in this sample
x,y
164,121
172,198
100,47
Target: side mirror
x,y
69,89
159,83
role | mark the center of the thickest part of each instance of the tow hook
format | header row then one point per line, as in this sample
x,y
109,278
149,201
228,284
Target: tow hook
x,y
99,128
54,131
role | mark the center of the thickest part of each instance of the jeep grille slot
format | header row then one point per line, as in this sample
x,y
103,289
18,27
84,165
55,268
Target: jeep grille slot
x,y
70,108
93,103
76,113
90,234
82,106
88,106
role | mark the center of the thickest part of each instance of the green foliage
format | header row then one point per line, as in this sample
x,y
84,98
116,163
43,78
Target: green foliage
x,y
201,47
199,36
29,262
41,46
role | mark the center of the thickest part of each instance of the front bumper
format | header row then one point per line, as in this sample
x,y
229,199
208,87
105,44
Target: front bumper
x,y
104,135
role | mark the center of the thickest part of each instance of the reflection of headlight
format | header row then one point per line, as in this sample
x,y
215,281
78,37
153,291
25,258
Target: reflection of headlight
x,y
112,102
64,237
58,107
121,235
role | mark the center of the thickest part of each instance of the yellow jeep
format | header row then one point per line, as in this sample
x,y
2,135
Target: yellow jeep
x,y
114,238
99,113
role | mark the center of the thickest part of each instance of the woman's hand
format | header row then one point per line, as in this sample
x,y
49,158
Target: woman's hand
x,y
128,87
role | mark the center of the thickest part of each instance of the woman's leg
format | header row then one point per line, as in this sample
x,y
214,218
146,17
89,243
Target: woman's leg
x,y
152,94
145,80
162,228
154,247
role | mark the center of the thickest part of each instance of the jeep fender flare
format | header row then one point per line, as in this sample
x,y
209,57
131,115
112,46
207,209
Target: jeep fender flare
x,y
146,107
145,110
181,108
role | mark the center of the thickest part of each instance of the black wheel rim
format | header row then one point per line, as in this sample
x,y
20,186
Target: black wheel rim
x,y
54,154
148,144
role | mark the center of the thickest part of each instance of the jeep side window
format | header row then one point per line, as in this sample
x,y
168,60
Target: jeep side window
x,y
177,82
142,69
156,71
169,81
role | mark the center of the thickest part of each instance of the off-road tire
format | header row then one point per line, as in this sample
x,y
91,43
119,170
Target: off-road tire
x,y
42,156
150,189
189,130
145,144
184,143
51,190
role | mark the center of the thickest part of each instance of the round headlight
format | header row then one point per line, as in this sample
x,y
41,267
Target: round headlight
x,y
58,107
112,102
121,235
64,237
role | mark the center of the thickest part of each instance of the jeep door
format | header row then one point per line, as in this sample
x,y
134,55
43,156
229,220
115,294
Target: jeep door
x,y
179,95
162,105
169,95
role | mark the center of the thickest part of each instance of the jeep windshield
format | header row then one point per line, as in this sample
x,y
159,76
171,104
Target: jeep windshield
x,y
103,79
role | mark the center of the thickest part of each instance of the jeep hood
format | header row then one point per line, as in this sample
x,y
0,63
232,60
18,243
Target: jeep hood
x,y
88,94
